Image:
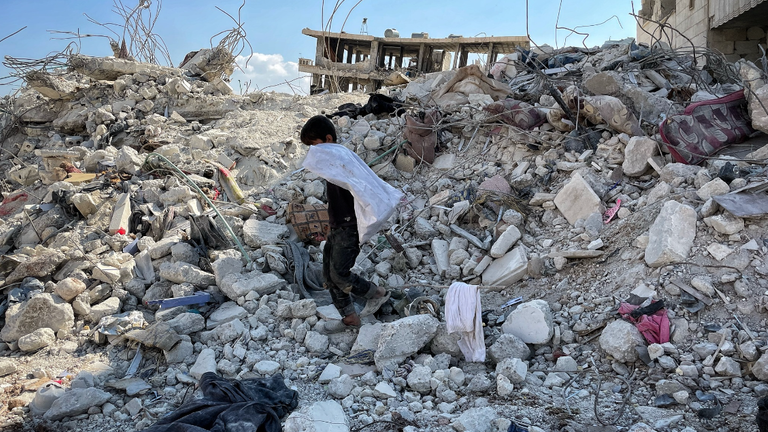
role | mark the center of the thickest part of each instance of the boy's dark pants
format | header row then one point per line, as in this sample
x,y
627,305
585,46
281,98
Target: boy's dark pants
x,y
341,250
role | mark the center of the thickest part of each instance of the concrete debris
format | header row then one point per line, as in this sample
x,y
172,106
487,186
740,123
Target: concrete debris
x,y
515,203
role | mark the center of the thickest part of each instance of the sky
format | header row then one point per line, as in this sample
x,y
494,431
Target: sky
x,y
274,28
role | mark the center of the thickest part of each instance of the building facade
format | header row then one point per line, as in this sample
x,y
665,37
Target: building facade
x,y
736,28
347,61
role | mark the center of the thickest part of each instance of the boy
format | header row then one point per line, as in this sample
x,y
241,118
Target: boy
x,y
342,247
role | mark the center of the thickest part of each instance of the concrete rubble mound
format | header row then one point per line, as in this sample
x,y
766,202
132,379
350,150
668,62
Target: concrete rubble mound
x,y
146,239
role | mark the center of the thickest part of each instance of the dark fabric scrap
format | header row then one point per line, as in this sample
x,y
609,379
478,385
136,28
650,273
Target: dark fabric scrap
x,y
517,113
422,136
255,404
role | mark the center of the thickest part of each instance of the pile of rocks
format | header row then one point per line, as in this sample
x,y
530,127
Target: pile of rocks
x,y
519,212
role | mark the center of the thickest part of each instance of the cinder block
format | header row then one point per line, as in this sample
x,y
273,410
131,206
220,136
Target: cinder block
x,y
746,47
725,47
755,33
737,34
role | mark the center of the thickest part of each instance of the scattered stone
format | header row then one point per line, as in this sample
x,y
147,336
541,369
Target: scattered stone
x,y
532,322
41,311
75,402
508,346
39,338
671,235
636,155
619,339
577,200
403,338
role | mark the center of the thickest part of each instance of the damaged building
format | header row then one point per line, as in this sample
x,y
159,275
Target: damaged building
x,y
735,28
345,61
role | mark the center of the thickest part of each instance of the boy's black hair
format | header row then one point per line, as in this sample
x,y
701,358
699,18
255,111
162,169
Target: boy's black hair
x,y
318,127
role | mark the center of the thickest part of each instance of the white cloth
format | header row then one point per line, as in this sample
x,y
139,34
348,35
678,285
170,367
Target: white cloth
x,y
375,199
464,315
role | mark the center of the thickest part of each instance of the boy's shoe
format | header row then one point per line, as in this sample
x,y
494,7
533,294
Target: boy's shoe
x,y
374,304
351,320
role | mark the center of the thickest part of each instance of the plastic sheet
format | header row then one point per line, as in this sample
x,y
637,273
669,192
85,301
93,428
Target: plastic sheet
x,y
375,199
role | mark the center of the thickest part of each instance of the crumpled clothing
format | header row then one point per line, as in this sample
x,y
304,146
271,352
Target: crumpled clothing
x,y
464,315
422,136
255,404
655,327
517,113
597,110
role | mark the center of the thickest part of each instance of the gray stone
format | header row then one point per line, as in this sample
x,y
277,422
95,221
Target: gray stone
x,y
514,369
330,372
725,223
760,368
303,308
108,307
133,407
187,323
206,362
237,285
713,188
440,252
506,240
76,402
69,288
532,322
566,364
181,352
181,272
225,266
185,252
445,343
39,338
403,338
675,170
506,270
7,367
267,367
43,310
479,384
669,387
728,367
619,339
577,200
325,416
316,342
258,233
384,391
671,235
420,379
367,338
227,312
163,247
424,229
341,387
508,346
636,155
476,420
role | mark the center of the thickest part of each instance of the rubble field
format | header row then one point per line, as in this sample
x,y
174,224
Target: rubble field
x,y
146,241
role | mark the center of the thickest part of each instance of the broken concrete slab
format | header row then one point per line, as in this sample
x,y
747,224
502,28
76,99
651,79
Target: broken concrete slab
x,y
577,200
507,270
532,322
636,155
43,310
671,235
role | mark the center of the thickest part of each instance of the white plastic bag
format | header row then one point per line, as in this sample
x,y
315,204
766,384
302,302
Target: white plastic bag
x,y
464,315
375,199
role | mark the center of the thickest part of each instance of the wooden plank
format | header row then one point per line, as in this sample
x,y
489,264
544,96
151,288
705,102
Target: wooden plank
x,y
692,291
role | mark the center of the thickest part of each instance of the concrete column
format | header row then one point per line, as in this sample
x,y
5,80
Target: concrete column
x,y
456,57
374,56
491,57
420,61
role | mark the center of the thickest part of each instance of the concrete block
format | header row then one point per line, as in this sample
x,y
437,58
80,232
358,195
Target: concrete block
x,y
508,269
636,155
671,235
121,214
746,47
577,200
440,251
532,322
755,33
85,203
725,47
